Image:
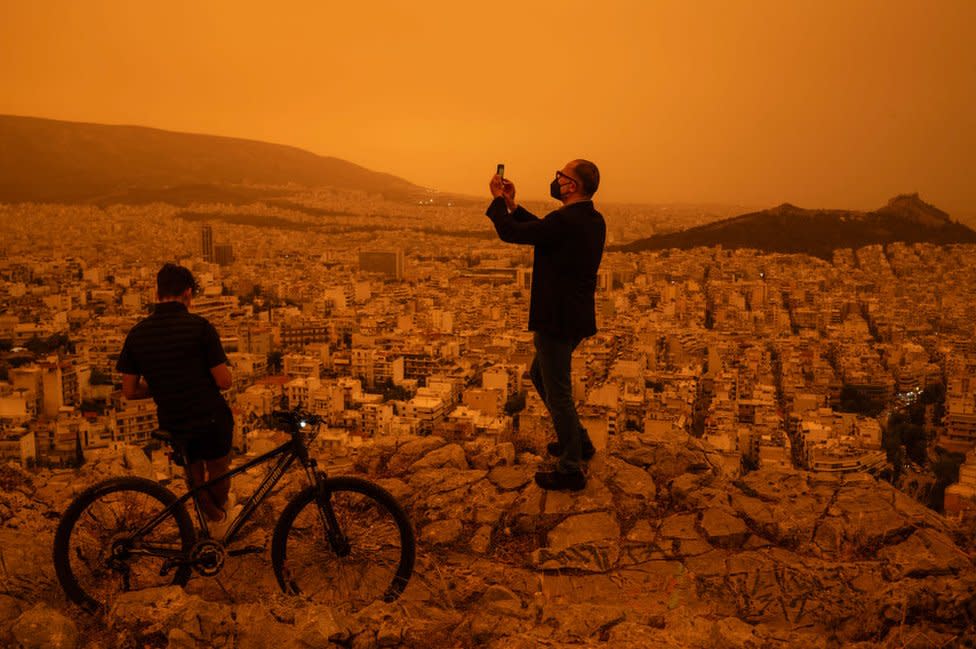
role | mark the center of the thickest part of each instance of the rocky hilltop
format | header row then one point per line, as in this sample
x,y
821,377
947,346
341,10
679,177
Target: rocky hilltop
x,y
668,546
791,229
53,161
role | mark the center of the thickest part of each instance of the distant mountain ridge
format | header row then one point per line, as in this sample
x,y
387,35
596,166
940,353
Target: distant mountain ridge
x,y
45,160
791,229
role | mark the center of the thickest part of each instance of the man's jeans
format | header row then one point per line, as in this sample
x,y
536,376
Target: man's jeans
x,y
551,373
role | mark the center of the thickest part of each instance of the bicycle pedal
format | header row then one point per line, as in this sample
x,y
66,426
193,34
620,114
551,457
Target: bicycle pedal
x,y
247,549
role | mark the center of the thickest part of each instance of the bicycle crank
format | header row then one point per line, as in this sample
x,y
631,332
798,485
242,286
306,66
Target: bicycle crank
x,y
207,557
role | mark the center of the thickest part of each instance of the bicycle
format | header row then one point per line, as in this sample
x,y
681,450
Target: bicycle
x,y
340,540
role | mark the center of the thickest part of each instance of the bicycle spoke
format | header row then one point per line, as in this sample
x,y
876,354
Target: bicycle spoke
x,y
101,556
366,571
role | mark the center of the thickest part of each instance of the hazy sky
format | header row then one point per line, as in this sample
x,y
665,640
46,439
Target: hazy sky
x,y
821,104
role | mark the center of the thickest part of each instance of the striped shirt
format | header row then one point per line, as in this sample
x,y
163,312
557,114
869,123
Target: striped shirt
x,y
174,350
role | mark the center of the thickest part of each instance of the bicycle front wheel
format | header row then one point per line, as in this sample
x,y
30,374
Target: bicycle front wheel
x,y
104,545
366,555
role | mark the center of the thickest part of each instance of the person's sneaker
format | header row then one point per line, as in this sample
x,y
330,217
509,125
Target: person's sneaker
x,y
557,481
554,449
219,528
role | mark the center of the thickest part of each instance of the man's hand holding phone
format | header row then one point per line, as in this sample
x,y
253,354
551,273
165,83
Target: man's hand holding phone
x,y
501,186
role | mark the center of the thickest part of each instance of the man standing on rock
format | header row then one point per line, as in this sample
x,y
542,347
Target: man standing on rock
x,y
176,358
568,248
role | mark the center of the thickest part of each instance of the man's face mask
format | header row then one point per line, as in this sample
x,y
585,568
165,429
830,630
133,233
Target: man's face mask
x,y
556,188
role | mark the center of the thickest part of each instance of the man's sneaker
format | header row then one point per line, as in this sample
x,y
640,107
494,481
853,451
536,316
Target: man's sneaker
x,y
557,481
219,528
556,450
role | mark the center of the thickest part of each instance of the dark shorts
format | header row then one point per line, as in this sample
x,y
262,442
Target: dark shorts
x,y
207,439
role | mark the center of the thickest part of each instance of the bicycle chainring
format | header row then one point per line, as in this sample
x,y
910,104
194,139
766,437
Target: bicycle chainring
x,y
207,557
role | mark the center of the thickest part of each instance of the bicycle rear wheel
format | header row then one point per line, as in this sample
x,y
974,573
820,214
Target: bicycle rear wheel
x,y
374,564
98,554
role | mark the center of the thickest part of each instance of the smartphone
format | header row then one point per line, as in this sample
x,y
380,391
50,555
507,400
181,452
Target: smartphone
x,y
500,170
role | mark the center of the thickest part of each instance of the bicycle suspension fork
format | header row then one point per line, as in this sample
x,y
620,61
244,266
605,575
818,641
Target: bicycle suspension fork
x,y
338,540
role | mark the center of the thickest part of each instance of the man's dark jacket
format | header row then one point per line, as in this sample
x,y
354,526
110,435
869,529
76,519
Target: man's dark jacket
x,y
568,248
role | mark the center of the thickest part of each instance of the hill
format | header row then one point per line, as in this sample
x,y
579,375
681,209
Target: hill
x,y
44,160
669,545
791,229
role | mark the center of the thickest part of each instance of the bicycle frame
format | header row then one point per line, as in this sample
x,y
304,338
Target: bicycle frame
x,y
289,452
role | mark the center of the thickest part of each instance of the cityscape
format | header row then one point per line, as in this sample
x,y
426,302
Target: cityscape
x,y
389,319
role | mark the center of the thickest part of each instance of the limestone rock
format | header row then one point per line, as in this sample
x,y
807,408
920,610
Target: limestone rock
x,y
44,628
318,627
399,489
510,478
486,455
594,497
631,480
412,451
584,528
481,541
137,462
256,628
582,621
584,541
925,553
442,532
501,601
666,455
434,481
449,456
10,610
733,633
723,529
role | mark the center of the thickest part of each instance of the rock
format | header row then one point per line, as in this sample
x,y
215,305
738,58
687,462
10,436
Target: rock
x,y
389,634
584,528
499,600
723,529
582,621
585,541
665,455
318,627
488,505
594,497
134,608
509,478
412,451
642,532
481,541
143,613
257,629
680,526
733,633
632,634
137,462
442,532
630,480
434,481
486,455
925,553
44,628
10,610
180,639
399,489
449,456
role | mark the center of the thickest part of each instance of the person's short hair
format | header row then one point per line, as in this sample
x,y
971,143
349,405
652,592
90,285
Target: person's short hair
x,y
588,174
173,279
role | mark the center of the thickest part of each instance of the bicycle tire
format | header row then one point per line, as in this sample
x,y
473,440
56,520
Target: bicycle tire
x,y
381,554
81,554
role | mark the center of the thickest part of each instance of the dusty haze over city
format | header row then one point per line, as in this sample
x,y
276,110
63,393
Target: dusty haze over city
x,y
820,104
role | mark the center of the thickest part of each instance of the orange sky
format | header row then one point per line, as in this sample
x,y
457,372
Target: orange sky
x,y
821,104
